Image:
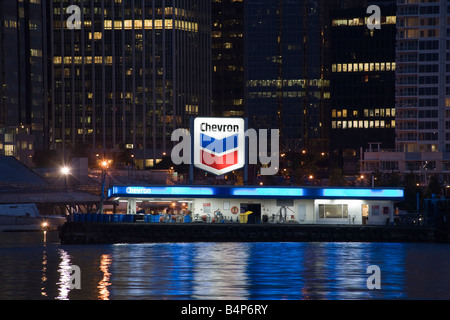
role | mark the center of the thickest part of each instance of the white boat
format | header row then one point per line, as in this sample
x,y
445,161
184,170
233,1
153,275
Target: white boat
x,y
26,217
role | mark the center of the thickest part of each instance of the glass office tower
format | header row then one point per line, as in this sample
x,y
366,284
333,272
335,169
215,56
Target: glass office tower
x,y
23,76
285,75
362,83
228,57
134,72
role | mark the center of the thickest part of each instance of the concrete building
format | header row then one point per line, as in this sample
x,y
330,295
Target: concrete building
x,y
422,143
17,142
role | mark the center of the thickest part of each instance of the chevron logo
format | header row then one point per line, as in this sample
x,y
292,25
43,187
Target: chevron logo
x,y
219,144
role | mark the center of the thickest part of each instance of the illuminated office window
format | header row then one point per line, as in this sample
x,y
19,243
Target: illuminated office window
x,y
366,67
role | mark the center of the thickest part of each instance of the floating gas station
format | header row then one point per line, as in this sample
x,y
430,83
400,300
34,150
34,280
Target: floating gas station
x,y
194,212
300,205
200,213
219,145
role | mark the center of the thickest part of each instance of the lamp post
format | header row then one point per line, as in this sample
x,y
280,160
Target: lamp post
x,y
104,165
65,171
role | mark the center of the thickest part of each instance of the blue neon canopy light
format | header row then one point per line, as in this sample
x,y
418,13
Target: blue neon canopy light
x,y
279,192
255,192
160,191
363,193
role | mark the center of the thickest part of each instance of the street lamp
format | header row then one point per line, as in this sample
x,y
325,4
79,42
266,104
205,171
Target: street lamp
x,y
104,164
65,171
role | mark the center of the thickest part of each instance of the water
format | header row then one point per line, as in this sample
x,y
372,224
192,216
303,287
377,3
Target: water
x,y
35,266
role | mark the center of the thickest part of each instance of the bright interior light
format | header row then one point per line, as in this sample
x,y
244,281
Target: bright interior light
x,y
65,170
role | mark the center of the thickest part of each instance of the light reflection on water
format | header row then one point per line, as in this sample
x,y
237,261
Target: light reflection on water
x,y
37,267
104,283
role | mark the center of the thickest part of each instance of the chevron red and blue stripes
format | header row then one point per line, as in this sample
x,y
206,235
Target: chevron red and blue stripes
x,y
218,146
219,153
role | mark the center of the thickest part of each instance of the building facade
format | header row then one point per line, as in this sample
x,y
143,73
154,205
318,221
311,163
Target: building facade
x,y
422,144
286,86
23,76
228,57
362,83
133,72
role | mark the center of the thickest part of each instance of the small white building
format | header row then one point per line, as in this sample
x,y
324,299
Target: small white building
x,y
304,205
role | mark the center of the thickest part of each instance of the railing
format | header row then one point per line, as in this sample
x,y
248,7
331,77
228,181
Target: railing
x,y
381,150
149,218
413,219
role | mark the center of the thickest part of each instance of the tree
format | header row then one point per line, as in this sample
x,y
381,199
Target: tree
x,y
434,186
336,177
411,190
124,155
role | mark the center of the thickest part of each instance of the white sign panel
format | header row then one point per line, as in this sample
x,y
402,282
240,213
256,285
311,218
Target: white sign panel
x,y
219,144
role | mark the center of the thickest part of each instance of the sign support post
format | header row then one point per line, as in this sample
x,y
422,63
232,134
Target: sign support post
x,y
246,154
191,165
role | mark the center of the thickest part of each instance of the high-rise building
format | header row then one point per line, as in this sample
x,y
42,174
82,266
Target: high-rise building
x,y
362,83
228,57
23,74
134,72
422,95
421,82
285,70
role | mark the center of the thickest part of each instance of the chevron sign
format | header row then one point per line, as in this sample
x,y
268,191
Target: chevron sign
x,y
219,144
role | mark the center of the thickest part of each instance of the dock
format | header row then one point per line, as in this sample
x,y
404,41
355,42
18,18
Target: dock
x,y
99,232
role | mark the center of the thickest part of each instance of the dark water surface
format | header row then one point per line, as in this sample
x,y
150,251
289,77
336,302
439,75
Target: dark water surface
x,y
34,265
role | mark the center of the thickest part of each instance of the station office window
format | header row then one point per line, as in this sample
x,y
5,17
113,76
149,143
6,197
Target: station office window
x,y
327,211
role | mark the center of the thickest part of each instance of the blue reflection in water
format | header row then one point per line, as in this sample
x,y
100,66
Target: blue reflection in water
x,y
255,271
32,270
319,271
182,271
